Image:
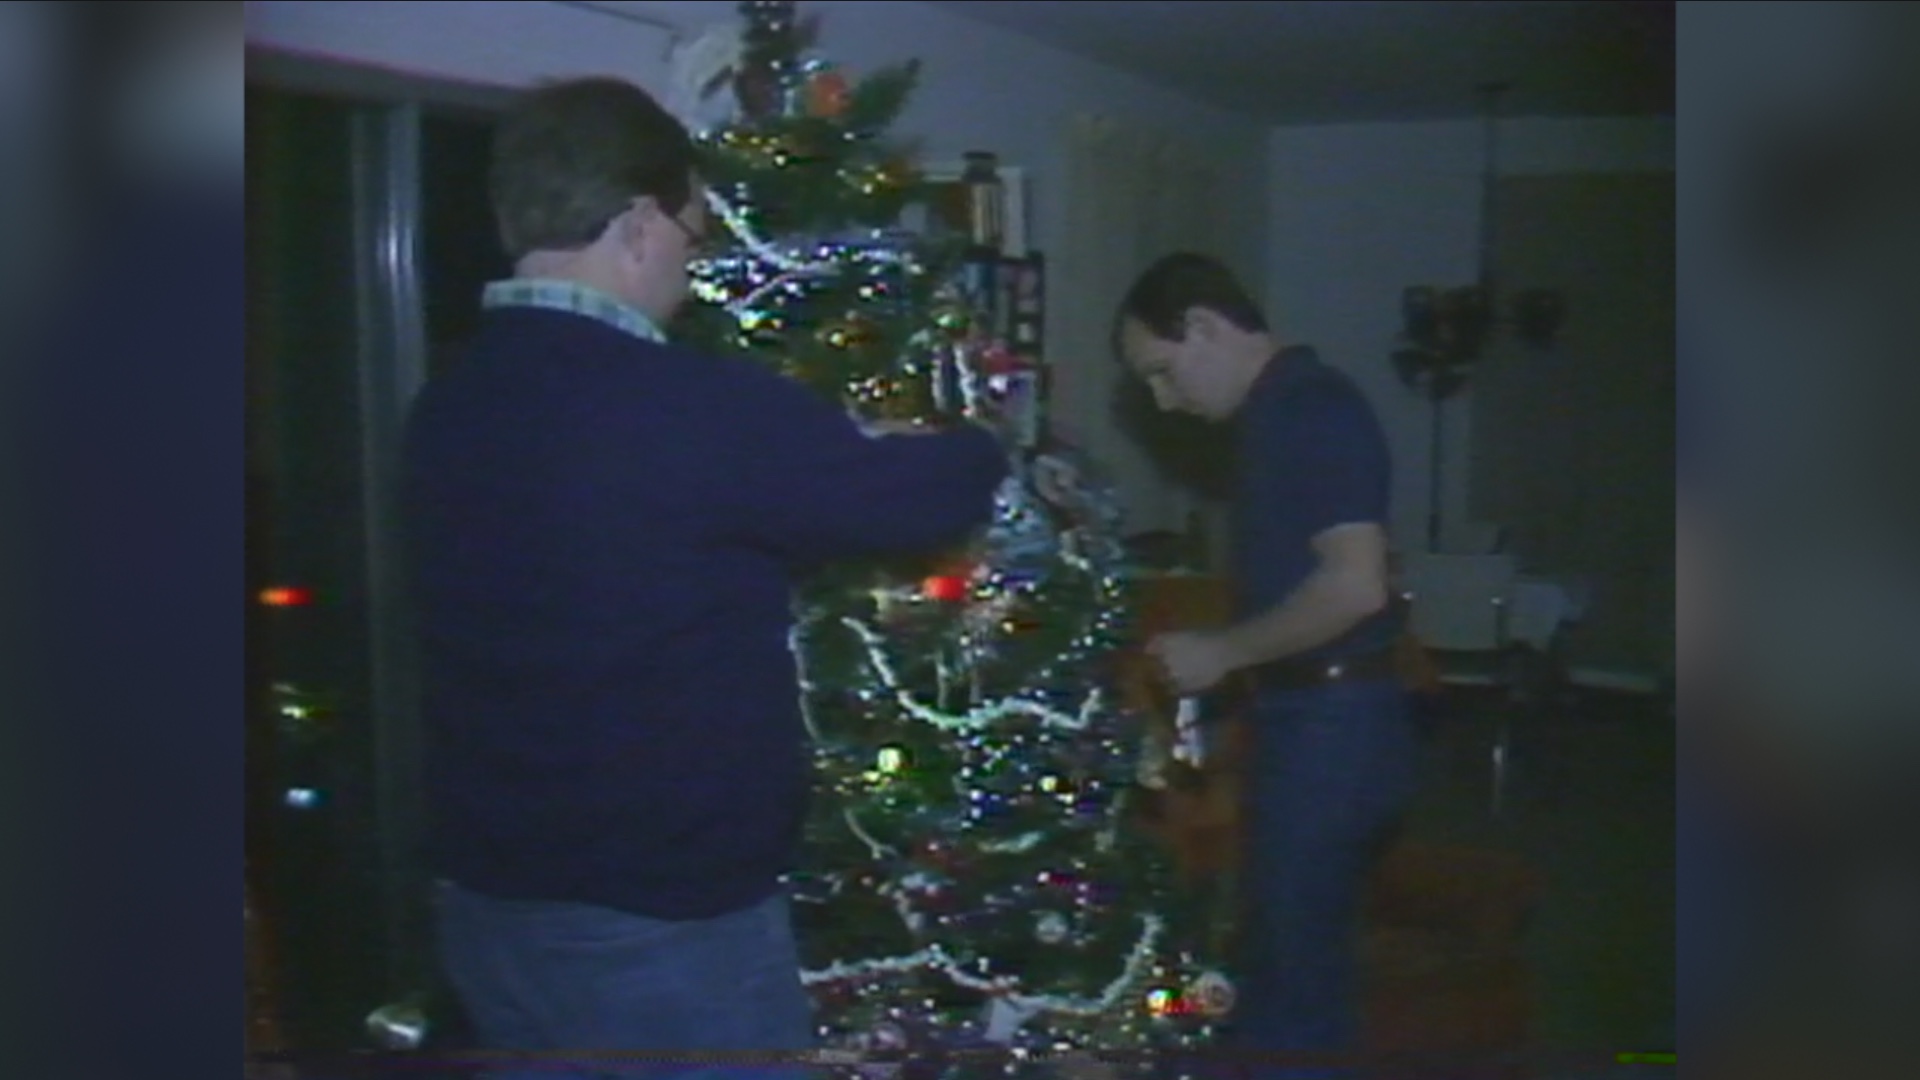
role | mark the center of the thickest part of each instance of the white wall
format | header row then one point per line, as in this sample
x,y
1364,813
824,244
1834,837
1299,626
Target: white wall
x,y
982,88
1341,217
1359,212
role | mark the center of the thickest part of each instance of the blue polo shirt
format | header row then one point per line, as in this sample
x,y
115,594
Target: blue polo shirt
x,y
1310,455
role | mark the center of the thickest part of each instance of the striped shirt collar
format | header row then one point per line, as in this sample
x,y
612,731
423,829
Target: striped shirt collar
x,y
569,296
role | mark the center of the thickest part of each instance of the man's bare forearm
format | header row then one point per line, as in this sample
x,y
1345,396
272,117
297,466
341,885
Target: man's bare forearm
x,y
1325,606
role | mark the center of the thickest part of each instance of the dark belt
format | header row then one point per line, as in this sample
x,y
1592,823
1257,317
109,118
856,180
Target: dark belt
x,y
1324,671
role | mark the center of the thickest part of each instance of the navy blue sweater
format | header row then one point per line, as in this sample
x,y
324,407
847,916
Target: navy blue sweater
x,y
606,534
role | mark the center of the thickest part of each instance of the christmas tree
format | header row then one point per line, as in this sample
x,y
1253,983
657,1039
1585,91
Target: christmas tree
x,y
970,881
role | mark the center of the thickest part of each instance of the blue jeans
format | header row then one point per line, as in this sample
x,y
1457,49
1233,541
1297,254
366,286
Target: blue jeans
x,y
602,993
1333,771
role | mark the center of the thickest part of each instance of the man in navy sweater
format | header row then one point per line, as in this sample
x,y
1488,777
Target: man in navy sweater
x,y
607,529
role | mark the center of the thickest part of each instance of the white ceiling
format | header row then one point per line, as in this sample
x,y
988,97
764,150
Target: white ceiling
x,y
1352,61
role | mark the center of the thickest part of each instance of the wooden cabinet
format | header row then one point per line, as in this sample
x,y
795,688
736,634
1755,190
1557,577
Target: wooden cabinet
x,y
1196,814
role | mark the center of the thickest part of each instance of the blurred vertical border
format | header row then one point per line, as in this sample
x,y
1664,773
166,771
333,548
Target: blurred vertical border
x,y
121,277
1799,205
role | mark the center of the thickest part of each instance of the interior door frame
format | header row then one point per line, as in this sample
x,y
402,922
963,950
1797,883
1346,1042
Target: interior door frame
x,y
390,363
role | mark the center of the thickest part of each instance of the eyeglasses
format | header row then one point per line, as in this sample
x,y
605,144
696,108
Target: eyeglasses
x,y
699,242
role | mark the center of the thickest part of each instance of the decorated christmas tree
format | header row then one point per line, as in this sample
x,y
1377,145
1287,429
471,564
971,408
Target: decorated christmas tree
x,y
970,879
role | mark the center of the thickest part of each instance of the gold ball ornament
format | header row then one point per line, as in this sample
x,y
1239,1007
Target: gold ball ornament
x,y
890,760
848,332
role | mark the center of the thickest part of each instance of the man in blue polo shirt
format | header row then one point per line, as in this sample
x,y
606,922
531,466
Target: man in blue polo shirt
x,y
606,530
1314,634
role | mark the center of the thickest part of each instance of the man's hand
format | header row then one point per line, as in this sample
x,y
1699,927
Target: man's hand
x,y
1194,661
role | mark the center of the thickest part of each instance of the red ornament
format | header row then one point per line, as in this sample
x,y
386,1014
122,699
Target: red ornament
x,y
948,588
951,580
286,596
828,95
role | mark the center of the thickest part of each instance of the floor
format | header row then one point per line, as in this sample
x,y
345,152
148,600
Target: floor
x,y
1590,804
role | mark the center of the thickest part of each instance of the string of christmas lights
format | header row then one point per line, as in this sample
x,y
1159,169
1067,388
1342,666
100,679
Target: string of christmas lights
x,y
1124,987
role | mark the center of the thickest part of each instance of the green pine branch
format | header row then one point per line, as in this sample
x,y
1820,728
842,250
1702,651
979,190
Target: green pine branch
x,y
877,101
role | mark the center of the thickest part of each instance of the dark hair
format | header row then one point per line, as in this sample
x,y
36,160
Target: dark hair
x,y
570,156
1174,285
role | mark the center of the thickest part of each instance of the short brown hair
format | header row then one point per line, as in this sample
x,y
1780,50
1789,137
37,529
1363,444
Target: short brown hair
x,y
1174,285
570,156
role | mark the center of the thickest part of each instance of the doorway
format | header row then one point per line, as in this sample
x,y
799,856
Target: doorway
x,y
369,240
